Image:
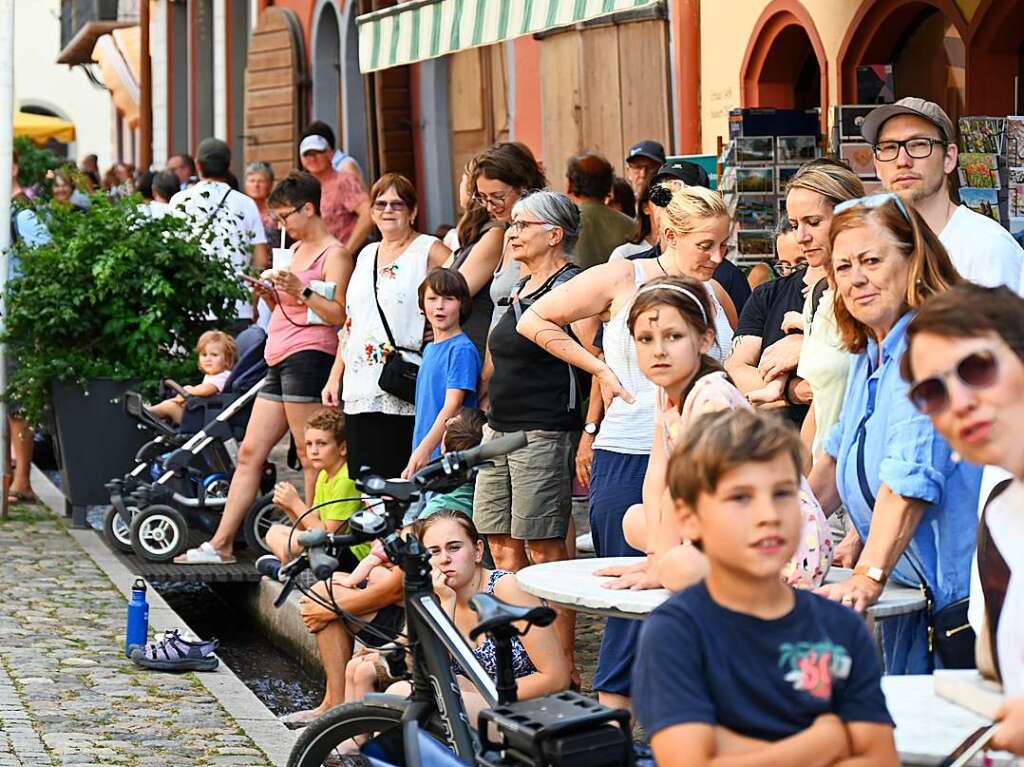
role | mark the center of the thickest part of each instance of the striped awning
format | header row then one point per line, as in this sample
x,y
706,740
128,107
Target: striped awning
x,y
424,29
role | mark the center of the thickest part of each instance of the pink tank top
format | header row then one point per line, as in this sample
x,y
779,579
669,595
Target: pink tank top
x,y
284,338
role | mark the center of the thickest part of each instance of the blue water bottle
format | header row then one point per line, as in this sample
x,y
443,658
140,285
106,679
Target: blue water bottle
x,y
138,618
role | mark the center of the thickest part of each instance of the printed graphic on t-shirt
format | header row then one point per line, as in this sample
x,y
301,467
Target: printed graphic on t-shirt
x,y
813,665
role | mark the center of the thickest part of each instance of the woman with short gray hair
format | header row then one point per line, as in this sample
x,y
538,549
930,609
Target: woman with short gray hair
x,y
523,503
259,180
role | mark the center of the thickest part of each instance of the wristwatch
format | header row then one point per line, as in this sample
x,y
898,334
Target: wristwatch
x,y
307,293
877,574
590,428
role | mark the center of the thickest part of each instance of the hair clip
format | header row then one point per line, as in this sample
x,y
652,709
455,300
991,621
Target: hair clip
x,y
661,196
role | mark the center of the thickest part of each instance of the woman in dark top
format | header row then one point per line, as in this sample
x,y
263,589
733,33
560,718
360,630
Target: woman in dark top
x,y
523,503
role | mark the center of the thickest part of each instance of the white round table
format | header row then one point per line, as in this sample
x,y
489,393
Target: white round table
x,y
572,584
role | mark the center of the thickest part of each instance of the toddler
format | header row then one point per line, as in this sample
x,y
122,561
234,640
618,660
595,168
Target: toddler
x,y
217,355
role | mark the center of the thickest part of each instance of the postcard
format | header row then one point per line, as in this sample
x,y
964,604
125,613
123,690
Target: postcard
x,y
755,243
783,173
982,134
755,212
755,150
849,119
755,180
1015,140
860,158
983,201
1015,183
796,149
979,170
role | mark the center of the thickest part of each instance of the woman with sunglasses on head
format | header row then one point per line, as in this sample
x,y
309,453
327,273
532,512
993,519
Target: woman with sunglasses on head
x,y
383,318
912,503
299,353
493,182
965,362
772,316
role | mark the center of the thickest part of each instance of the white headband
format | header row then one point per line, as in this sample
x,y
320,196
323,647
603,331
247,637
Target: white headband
x,y
677,289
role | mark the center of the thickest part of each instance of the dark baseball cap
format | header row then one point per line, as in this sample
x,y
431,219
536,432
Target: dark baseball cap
x,y
689,173
926,110
652,150
213,151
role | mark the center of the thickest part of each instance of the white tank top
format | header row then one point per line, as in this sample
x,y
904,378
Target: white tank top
x,y
627,428
723,330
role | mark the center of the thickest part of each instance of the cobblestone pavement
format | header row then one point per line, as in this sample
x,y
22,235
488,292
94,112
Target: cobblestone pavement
x,y
68,696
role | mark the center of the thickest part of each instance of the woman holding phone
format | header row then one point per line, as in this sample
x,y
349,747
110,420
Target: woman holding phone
x,y
302,340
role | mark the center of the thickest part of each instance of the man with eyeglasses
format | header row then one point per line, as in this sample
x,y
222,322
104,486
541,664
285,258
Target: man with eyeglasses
x,y
915,150
344,204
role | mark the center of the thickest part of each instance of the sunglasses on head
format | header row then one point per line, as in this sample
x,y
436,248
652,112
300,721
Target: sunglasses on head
x,y
977,370
873,201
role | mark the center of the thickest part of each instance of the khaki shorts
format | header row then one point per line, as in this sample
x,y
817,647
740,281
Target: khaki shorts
x,y
528,493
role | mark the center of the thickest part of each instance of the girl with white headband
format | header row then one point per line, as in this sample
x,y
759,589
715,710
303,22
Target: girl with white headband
x,y
669,324
613,450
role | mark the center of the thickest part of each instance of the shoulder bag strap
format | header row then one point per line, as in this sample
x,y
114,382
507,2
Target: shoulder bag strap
x,y
816,293
376,300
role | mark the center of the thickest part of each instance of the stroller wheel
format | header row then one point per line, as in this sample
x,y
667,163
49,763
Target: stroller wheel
x,y
159,533
258,521
117,533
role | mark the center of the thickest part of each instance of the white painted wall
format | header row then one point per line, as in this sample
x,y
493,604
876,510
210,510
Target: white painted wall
x,y
40,81
220,70
158,67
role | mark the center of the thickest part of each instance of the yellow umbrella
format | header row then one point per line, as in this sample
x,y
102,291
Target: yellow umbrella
x,y
41,128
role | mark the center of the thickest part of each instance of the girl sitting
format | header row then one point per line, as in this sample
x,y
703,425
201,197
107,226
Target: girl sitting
x,y
669,321
541,667
217,355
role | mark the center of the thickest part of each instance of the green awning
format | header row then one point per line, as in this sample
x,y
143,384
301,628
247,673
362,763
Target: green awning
x,y
424,29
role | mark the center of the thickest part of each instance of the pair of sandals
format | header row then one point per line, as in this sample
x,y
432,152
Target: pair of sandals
x,y
204,554
174,652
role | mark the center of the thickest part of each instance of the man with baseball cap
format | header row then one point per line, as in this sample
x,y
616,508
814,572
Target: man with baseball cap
x,y
642,161
344,204
915,150
234,219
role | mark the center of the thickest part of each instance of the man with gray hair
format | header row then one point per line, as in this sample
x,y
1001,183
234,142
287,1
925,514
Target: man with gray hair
x,y
914,142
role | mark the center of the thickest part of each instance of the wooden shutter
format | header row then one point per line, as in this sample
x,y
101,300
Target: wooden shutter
x,y
273,100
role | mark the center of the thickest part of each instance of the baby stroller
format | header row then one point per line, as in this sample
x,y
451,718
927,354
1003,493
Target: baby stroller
x,y
181,477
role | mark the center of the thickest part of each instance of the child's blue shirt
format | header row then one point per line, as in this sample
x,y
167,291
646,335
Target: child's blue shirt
x,y
450,364
700,663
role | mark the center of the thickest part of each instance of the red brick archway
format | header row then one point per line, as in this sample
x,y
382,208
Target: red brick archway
x,y
879,28
994,56
781,46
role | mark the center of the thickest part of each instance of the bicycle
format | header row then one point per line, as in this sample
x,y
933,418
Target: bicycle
x,y
552,731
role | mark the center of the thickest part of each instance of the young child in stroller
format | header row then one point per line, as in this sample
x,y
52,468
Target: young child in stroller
x,y
217,352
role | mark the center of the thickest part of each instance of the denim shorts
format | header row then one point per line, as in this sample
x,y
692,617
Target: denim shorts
x,y
299,377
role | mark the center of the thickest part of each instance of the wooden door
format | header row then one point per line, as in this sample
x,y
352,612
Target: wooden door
x,y
273,101
477,104
604,88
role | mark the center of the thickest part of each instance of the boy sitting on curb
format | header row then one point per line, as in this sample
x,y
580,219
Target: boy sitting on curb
x,y
328,453
742,669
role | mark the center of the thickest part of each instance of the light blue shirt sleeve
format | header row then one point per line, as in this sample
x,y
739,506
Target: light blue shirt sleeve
x,y
914,464
31,229
463,368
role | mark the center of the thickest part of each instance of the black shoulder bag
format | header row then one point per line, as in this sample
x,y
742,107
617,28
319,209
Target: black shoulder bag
x,y
949,632
398,377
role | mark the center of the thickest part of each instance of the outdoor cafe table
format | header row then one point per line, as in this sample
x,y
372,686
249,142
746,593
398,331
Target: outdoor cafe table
x,y
572,584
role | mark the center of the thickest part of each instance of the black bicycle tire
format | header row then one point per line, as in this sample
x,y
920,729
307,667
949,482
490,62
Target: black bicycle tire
x,y
347,721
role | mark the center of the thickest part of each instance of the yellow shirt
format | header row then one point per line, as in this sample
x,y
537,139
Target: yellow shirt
x,y
336,488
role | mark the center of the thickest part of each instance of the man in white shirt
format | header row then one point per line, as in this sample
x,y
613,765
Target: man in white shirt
x,y
234,220
915,150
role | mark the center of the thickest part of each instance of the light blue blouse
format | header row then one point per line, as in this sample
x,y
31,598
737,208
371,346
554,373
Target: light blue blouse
x,y
902,450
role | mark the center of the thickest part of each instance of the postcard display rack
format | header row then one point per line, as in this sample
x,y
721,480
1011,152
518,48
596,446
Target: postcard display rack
x,y
848,143
755,170
991,168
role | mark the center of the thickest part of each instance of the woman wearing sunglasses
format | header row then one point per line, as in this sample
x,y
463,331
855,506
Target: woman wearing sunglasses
x,y
383,318
911,502
965,359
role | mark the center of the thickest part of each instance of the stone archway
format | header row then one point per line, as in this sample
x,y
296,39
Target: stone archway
x,y
995,56
326,66
921,39
785,64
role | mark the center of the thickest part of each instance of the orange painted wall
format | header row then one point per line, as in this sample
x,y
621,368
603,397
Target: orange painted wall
x,y
527,125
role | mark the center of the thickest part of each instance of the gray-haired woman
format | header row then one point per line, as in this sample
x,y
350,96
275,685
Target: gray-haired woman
x,y
523,503
259,180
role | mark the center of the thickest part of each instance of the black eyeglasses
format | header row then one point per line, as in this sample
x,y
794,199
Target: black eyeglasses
x,y
784,268
282,219
917,148
977,370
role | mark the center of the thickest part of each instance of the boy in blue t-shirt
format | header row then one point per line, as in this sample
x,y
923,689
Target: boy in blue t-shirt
x,y
742,665
450,370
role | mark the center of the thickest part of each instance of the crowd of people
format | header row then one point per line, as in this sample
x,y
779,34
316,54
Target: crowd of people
x,y
736,433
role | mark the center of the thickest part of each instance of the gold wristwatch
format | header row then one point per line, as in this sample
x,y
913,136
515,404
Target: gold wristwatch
x,y
877,574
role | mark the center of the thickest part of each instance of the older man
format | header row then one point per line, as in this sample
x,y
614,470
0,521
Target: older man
x,y
642,161
915,150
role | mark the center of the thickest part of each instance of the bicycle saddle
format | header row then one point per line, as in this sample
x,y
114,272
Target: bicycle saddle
x,y
496,615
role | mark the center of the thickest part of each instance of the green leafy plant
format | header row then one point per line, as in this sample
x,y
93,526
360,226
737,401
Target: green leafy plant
x,y
33,163
116,294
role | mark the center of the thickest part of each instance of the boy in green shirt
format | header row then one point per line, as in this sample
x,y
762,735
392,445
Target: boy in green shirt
x,y
335,498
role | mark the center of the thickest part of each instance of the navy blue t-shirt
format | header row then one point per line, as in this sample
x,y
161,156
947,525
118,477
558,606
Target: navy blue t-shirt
x,y
700,663
450,364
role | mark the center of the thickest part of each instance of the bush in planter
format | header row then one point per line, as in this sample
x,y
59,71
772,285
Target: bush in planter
x,y
116,294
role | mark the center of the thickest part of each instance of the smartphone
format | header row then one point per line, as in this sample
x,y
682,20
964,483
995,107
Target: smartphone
x,y
253,281
970,746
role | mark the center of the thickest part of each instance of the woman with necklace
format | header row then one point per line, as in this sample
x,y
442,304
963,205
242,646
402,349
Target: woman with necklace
x,y
694,226
383,289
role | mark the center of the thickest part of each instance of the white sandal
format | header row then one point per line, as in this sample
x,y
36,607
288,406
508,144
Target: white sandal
x,y
205,554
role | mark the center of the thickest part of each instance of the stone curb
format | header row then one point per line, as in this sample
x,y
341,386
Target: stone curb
x,y
256,720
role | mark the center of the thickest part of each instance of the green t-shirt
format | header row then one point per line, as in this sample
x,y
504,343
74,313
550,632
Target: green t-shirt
x,y
339,486
459,499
